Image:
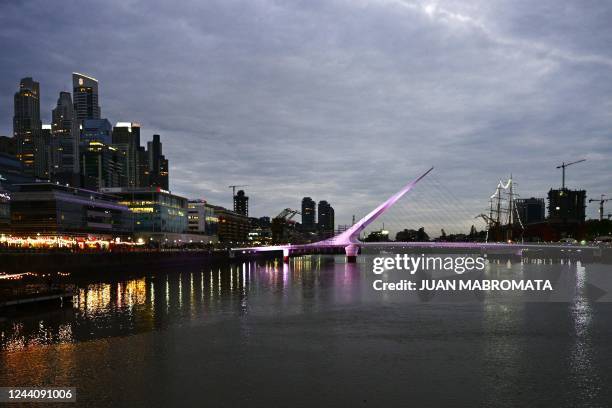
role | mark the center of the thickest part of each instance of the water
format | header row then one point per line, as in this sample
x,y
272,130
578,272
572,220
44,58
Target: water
x,y
313,333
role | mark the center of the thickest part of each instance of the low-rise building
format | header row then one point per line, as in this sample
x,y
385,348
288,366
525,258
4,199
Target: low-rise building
x,y
5,210
159,215
50,209
232,227
202,220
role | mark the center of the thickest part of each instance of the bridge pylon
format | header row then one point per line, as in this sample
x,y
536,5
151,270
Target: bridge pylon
x,y
351,251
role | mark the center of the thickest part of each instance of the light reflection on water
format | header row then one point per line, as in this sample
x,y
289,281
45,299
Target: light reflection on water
x,y
504,341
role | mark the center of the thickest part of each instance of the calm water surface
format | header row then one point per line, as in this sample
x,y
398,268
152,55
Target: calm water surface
x,y
312,333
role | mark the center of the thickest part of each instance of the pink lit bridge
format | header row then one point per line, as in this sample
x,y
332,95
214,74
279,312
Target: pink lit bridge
x,y
349,239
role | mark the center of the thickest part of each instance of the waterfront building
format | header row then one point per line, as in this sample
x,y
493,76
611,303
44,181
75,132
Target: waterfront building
x,y
27,127
64,144
157,212
85,96
530,210
102,166
241,203
566,206
157,164
5,211
51,209
309,215
326,218
202,220
232,227
126,137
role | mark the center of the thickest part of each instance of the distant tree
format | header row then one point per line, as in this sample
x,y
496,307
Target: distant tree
x,y
407,235
442,234
422,235
377,236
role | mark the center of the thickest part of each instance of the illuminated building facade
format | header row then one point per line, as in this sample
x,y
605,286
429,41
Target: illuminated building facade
x,y
155,210
232,227
202,218
64,145
101,166
55,210
27,128
85,95
5,211
126,137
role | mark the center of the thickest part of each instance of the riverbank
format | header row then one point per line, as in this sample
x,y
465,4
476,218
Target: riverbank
x,y
83,262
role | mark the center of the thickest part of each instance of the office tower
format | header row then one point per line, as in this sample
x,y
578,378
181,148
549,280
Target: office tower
x,y
158,165
102,166
566,206
96,130
27,127
85,95
45,149
326,218
143,168
530,210
64,149
126,138
309,214
241,203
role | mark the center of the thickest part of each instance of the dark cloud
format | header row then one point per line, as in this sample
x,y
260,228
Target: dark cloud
x,y
339,100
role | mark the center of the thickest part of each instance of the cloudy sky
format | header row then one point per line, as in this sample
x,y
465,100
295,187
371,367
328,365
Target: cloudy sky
x,y
344,100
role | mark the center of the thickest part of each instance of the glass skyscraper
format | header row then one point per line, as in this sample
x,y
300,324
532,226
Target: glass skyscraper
x,y
85,95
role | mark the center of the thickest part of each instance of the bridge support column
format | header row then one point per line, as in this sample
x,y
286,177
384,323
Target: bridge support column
x,y
286,255
351,253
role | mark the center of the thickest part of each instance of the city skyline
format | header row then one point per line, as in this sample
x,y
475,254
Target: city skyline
x,y
496,105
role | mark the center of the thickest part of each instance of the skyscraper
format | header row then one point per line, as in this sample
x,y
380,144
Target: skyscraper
x,y
64,150
309,214
27,127
241,203
158,165
96,130
45,150
102,166
126,138
326,218
85,95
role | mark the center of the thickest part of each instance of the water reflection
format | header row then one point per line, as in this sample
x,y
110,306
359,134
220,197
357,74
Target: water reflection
x,y
308,284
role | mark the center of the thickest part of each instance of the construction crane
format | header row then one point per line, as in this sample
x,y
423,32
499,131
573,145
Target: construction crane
x,y
234,188
601,200
563,166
